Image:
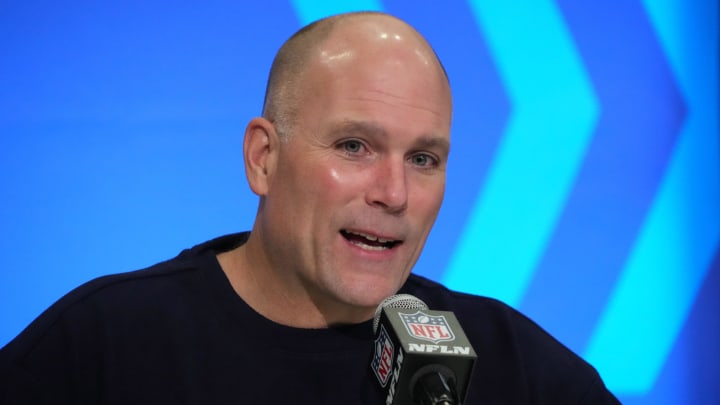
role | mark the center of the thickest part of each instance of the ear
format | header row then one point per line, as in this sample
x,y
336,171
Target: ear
x,y
260,150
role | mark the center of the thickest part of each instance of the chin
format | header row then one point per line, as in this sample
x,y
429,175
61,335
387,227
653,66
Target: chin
x,y
369,296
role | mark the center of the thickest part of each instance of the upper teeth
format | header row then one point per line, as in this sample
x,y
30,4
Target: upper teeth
x,y
371,237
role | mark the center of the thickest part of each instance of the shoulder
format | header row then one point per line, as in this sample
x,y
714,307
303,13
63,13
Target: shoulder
x,y
489,321
120,325
188,267
127,301
96,301
515,351
130,323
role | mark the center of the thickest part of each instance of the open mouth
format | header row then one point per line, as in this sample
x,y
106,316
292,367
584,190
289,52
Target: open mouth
x,y
368,242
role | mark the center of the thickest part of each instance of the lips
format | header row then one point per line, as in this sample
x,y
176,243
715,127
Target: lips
x,y
369,241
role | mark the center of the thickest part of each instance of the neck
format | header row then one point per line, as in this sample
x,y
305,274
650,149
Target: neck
x,y
281,297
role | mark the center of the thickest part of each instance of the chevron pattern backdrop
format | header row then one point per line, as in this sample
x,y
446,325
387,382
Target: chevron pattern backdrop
x,y
584,183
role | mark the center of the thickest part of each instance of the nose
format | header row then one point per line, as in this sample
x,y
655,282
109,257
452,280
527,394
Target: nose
x,y
388,186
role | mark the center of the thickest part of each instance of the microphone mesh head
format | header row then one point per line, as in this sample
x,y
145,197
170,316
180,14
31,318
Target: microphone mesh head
x,y
402,301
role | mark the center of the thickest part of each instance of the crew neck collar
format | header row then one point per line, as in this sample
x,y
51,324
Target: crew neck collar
x,y
236,313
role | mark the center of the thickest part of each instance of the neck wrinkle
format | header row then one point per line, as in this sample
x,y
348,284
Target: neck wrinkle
x,y
268,292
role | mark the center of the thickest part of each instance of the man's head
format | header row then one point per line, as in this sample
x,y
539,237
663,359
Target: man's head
x,y
349,161
282,96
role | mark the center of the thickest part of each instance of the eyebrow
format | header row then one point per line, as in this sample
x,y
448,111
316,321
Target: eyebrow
x,y
435,142
373,129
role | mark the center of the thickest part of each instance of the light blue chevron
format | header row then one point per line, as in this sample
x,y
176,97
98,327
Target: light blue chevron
x,y
681,233
554,113
311,10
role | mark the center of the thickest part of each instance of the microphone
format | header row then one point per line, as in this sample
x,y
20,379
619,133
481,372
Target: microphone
x,y
422,357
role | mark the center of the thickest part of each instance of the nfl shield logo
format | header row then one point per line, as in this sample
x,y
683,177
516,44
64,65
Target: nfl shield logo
x,y
427,327
381,363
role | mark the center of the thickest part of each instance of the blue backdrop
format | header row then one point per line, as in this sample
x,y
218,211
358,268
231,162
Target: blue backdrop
x,y
583,189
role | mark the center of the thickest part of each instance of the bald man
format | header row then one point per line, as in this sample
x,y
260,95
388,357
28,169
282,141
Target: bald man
x,y
348,161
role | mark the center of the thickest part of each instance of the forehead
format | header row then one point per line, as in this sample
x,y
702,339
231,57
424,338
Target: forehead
x,y
384,76
374,57
377,101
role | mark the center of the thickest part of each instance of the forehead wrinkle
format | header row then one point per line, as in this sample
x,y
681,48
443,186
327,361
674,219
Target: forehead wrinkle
x,y
432,109
365,127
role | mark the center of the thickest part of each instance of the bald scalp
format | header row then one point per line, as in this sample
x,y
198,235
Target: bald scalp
x,y
282,94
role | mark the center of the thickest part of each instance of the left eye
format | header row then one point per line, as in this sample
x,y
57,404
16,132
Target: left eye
x,y
422,160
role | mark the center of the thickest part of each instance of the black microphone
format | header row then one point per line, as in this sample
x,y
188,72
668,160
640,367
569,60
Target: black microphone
x,y
422,357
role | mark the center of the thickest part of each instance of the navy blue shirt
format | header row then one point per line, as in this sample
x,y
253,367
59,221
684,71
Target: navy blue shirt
x,y
177,333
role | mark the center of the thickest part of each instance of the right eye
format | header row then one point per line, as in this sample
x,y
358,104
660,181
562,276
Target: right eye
x,y
351,146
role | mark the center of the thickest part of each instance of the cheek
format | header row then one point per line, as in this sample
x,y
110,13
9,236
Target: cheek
x,y
337,182
332,178
427,197
309,195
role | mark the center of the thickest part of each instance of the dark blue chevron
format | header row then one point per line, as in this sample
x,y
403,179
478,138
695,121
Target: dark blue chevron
x,y
690,372
477,126
642,111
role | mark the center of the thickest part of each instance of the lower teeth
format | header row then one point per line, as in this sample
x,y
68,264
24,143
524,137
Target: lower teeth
x,y
369,247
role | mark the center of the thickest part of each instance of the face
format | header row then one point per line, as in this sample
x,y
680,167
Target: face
x,y
359,182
